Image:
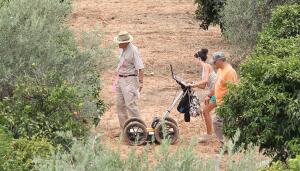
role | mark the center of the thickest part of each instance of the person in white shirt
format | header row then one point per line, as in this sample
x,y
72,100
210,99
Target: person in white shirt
x,y
130,78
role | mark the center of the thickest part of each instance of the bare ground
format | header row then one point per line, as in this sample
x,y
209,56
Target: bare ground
x,y
166,33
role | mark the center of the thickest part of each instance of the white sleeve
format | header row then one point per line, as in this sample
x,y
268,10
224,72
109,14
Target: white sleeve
x,y
137,60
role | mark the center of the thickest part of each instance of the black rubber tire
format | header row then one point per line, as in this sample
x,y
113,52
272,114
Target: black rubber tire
x,y
133,119
135,133
172,132
171,120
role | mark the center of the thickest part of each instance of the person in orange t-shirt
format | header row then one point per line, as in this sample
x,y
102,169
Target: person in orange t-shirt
x,y
225,74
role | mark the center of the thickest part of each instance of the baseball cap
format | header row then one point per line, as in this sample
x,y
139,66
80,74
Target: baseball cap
x,y
218,55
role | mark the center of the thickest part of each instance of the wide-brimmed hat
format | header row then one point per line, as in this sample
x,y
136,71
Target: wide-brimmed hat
x,y
218,55
123,37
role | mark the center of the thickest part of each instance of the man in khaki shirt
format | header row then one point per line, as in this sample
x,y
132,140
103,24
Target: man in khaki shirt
x,y
130,82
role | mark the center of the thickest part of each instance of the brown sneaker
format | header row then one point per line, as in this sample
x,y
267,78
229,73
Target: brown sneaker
x,y
116,135
221,150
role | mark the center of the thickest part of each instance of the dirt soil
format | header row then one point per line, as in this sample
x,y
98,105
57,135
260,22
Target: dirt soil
x,y
166,32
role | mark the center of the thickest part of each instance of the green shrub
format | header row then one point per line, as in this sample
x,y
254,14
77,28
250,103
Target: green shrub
x,y
24,151
31,37
5,147
291,165
294,145
265,104
33,34
239,159
41,111
285,22
294,164
276,166
281,37
18,154
209,12
239,18
243,20
93,155
278,47
3,2
83,156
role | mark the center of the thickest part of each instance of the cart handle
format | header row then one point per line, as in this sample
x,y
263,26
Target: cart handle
x,y
172,72
180,82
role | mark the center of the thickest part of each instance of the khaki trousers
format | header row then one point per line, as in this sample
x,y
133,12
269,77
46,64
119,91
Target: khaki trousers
x,y
218,123
127,96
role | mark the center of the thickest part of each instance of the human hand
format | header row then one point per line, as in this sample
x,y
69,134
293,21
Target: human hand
x,y
206,100
140,87
191,84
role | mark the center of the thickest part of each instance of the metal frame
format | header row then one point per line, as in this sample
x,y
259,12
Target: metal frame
x,y
185,89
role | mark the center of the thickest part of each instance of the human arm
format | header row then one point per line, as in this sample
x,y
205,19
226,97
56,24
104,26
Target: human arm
x,y
139,66
141,79
202,83
211,93
212,86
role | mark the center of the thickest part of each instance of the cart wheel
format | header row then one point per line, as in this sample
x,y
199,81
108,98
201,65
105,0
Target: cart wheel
x,y
166,130
171,120
134,119
135,133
